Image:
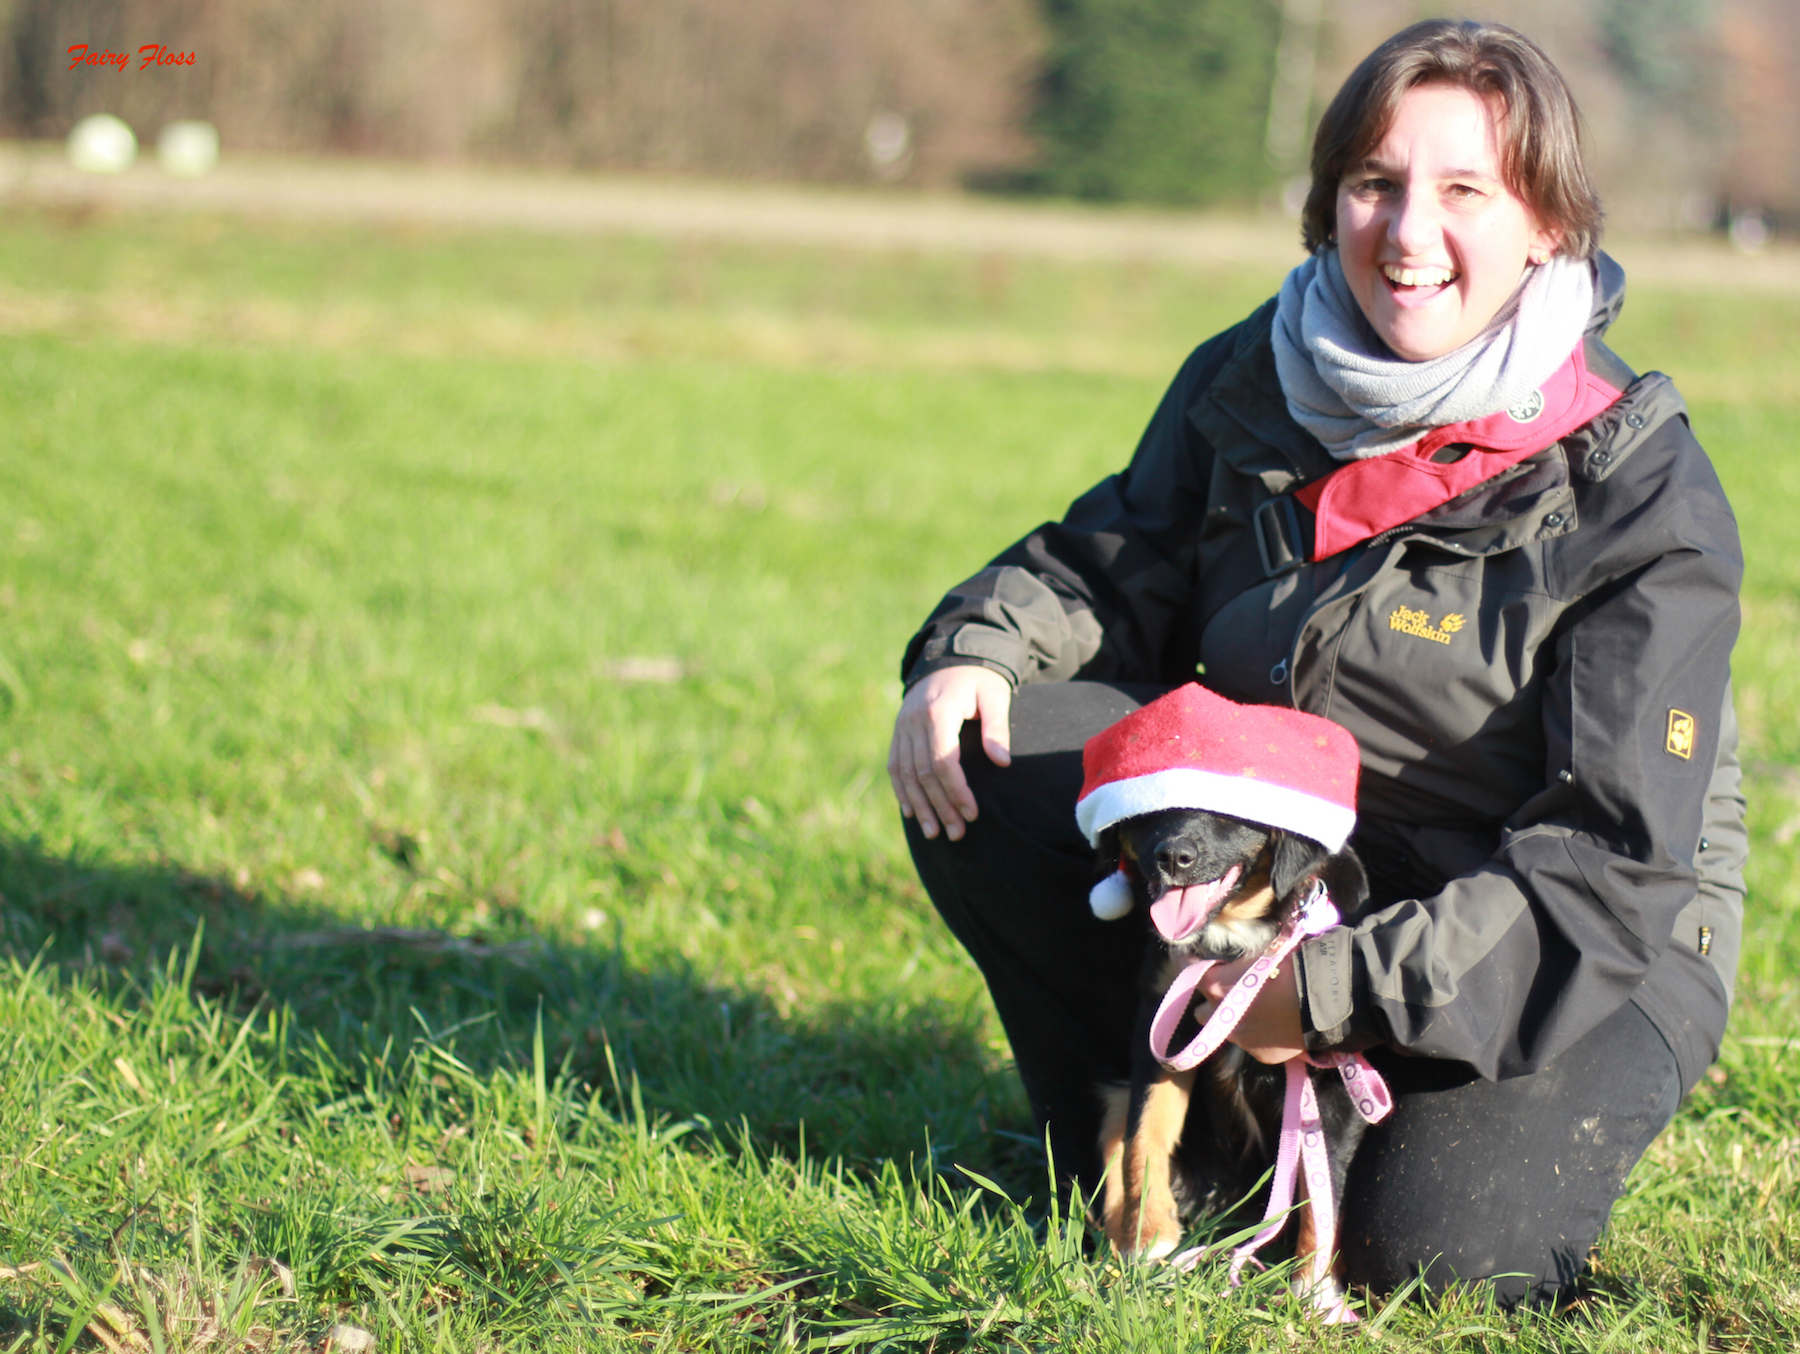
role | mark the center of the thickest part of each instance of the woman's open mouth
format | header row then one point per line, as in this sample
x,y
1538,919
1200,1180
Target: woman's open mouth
x,y
1416,284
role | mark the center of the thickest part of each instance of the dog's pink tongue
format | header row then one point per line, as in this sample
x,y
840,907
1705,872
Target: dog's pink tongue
x,y
1181,912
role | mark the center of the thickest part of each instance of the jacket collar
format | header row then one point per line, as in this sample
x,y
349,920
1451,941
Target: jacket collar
x,y
1244,416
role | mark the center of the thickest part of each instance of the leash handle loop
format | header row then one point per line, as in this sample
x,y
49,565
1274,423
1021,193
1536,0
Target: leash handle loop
x,y
1368,1090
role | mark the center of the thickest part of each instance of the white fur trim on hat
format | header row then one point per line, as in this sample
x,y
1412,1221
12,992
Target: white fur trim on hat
x,y
1257,801
1111,897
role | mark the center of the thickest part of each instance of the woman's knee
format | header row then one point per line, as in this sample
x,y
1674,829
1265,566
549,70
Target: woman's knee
x,y
1510,1182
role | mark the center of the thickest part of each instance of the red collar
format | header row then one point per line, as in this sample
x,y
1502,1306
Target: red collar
x,y
1366,498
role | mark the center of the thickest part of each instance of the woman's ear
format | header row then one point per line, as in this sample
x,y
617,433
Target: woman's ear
x,y
1545,241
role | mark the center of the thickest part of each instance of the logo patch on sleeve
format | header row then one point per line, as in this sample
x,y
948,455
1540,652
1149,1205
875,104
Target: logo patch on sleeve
x,y
1680,742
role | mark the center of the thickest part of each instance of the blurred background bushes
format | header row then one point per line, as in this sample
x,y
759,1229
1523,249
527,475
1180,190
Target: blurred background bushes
x,y
1692,108
1153,101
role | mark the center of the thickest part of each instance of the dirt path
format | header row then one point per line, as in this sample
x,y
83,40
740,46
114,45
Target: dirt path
x,y
598,204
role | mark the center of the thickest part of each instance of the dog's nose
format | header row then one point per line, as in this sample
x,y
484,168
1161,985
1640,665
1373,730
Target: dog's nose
x,y
1175,857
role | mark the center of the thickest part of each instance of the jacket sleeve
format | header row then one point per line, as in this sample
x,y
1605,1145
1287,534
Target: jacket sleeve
x,y
1518,957
1097,594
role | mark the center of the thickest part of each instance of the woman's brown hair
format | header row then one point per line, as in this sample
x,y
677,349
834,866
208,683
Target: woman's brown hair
x,y
1540,135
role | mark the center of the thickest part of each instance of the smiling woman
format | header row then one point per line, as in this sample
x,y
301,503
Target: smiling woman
x,y
1431,240
1417,494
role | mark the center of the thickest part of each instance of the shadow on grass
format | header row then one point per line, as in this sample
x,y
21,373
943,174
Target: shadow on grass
x,y
842,1080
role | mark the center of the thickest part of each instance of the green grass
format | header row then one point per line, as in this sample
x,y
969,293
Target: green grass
x,y
539,600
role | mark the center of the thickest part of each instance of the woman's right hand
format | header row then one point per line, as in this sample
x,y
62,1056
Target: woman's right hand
x,y
925,761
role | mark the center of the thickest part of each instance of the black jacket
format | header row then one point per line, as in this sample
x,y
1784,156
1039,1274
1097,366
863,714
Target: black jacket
x,y
1537,674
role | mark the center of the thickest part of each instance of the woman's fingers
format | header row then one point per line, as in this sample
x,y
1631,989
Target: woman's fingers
x,y
910,765
908,792
925,759
993,703
937,769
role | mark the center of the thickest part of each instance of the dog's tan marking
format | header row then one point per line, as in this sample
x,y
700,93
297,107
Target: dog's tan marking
x,y
1255,896
1248,906
1113,1123
1141,1217
1306,1240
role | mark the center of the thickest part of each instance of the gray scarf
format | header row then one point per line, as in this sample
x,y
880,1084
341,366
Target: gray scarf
x,y
1346,388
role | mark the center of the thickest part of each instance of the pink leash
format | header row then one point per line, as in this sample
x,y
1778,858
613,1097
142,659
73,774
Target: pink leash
x,y
1302,1142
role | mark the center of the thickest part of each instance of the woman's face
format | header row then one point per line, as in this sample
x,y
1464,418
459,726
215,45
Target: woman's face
x,y
1431,240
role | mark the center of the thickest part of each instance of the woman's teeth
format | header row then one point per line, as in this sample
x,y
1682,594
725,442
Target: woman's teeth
x,y
1417,277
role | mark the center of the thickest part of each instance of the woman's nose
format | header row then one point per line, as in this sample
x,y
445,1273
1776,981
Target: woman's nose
x,y
1414,227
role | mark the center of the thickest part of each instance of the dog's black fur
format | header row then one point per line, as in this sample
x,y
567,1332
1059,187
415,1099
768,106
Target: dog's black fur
x,y
1184,1144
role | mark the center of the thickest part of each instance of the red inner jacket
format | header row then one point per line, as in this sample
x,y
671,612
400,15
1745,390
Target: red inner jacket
x,y
1369,497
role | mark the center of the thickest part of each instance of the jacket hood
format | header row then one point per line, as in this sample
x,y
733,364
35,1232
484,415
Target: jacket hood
x,y
1609,293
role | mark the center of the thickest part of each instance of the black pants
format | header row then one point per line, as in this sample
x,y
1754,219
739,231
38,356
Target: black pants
x,y
1468,1179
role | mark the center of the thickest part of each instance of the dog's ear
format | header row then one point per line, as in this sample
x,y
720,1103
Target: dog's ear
x,y
1106,854
1297,859
1344,879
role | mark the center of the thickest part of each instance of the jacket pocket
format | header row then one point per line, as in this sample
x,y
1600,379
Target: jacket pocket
x,y
1439,671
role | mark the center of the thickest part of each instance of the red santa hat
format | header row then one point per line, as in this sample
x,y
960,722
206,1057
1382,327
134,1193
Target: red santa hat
x,y
1193,749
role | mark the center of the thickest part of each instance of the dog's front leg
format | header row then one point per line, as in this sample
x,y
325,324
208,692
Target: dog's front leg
x,y
1138,1142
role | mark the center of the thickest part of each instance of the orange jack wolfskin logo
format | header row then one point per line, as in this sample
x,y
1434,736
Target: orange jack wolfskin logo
x,y
1418,624
1681,734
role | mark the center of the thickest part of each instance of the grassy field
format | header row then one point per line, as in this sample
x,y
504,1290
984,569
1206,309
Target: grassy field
x,y
448,883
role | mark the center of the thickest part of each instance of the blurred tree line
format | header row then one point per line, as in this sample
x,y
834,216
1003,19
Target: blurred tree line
x,y
1159,100
1170,101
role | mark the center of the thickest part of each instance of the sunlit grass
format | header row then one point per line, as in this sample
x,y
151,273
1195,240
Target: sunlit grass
x,y
363,579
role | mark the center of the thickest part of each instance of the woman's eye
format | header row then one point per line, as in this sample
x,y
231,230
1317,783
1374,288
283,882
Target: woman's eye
x,y
1463,192
1373,185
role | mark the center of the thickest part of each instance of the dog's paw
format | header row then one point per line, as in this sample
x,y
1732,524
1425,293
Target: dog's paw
x,y
1158,1251
1327,1298
1147,1234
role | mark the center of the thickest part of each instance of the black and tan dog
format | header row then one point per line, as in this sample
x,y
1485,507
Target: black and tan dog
x,y
1196,1142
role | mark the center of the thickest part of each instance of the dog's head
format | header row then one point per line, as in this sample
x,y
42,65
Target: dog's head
x,y
1220,887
